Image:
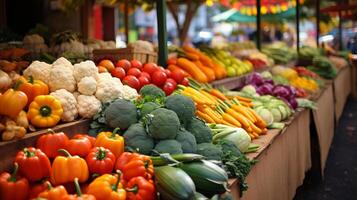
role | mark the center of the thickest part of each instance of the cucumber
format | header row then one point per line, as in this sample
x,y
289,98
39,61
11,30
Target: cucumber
x,y
165,159
199,196
208,177
174,184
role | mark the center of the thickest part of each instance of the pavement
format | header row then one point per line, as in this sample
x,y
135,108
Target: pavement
x,y
340,180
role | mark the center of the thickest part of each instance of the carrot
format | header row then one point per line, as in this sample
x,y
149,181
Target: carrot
x,y
264,131
243,110
255,135
227,123
189,49
204,116
218,94
208,95
230,119
192,69
193,97
239,117
240,98
255,128
199,95
206,70
210,113
219,70
246,104
191,56
251,136
173,67
260,122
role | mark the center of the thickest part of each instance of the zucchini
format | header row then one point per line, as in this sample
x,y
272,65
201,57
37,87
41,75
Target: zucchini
x,y
165,159
199,196
174,184
208,177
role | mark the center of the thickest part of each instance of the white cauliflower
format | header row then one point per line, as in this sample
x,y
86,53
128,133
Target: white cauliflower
x,y
88,106
87,85
76,94
63,61
38,70
129,92
68,102
108,88
85,68
61,77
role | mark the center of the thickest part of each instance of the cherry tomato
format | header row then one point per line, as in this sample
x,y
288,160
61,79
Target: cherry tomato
x,y
125,64
134,71
118,72
168,73
150,68
177,75
158,77
107,64
132,81
143,81
185,81
168,88
146,75
160,68
170,80
136,64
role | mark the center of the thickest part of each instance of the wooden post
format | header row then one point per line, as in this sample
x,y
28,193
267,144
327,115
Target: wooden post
x,y
259,28
2,13
108,23
126,20
317,13
340,39
297,25
162,31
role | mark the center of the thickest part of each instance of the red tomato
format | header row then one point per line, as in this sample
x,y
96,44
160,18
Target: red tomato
x,y
143,81
132,81
185,81
150,68
177,75
125,64
158,78
134,71
118,72
161,68
168,88
136,64
146,75
168,73
170,80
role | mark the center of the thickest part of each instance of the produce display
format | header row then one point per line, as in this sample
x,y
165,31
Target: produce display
x,y
280,53
323,67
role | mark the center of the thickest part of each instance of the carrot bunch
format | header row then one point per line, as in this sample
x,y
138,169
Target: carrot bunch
x,y
196,64
214,107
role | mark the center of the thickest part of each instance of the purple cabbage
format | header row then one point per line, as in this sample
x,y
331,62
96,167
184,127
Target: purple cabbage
x,y
281,91
265,89
270,81
293,103
254,79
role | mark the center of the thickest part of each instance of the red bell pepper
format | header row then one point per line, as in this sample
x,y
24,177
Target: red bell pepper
x,y
100,160
33,164
139,188
133,165
51,142
91,139
36,189
13,187
79,146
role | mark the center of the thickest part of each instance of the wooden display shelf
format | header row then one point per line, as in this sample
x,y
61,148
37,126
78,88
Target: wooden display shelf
x,y
9,149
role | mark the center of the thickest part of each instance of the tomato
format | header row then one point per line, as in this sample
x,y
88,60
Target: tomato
x,y
134,71
118,72
102,69
168,88
150,68
146,75
158,78
132,81
168,73
125,64
177,75
143,81
136,64
108,64
170,80
160,68
185,81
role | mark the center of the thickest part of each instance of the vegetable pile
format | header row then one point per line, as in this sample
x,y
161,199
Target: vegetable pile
x,y
323,67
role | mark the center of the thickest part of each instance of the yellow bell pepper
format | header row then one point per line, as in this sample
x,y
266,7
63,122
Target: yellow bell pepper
x,y
45,111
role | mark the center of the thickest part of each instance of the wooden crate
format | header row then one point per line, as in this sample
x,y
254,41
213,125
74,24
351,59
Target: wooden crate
x,y
125,53
9,149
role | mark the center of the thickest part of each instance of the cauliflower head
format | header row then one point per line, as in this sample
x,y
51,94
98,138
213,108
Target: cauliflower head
x,y
38,70
87,85
108,88
61,77
88,106
63,61
129,92
84,69
68,102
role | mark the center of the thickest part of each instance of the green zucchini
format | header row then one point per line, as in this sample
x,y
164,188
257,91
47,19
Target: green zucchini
x,y
199,196
208,177
174,184
165,159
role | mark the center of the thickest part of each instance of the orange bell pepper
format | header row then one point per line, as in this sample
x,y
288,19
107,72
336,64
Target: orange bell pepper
x,y
54,193
107,187
79,195
111,141
66,169
31,87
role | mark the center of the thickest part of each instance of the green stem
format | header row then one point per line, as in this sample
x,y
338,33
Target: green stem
x,y
116,130
17,85
50,131
78,188
14,173
45,111
65,152
101,154
28,153
115,187
133,189
49,186
30,80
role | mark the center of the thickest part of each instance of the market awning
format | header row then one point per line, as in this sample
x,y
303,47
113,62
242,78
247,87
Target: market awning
x,y
337,8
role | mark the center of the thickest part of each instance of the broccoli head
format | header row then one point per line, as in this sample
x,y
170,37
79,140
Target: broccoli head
x,y
137,139
183,106
152,93
200,130
210,151
187,141
168,146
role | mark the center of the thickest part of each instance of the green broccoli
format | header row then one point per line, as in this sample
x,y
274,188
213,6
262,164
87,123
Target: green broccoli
x,y
210,151
148,107
152,93
183,106
229,146
137,139
168,146
187,141
200,130
163,124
